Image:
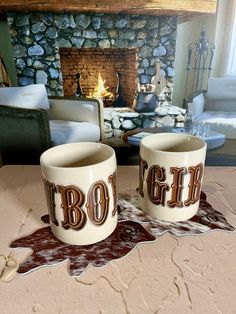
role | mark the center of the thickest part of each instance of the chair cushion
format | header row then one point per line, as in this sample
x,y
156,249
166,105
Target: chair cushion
x,y
69,132
220,105
220,121
221,94
221,88
28,97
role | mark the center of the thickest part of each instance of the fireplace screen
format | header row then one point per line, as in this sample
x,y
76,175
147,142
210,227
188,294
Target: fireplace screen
x,y
106,73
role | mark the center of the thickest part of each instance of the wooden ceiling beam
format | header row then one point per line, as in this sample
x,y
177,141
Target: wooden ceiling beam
x,y
152,7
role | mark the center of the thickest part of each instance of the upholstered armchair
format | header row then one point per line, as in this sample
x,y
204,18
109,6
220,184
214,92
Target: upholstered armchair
x,y
24,134
30,122
217,106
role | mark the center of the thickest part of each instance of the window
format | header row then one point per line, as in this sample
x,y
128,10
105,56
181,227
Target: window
x,y
231,66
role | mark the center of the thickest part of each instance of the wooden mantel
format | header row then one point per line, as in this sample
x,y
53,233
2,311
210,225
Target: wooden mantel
x,y
185,9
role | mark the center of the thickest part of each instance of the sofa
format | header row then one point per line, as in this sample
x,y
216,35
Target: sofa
x,y
217,106
31,122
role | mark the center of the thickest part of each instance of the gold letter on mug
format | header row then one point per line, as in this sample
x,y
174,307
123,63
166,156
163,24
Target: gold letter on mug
x,y
156,190
196,174
176,186
50,191
72,200
142,167
98,203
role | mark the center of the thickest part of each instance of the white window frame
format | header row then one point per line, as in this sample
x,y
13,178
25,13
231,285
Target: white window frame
x,y
231,63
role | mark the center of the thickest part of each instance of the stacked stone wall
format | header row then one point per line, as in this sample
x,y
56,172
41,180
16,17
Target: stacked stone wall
x,y
37,37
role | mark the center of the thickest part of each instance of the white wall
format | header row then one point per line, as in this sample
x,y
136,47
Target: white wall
x,y
217,28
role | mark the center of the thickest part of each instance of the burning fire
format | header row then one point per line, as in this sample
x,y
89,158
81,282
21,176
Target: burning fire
x,y
101,91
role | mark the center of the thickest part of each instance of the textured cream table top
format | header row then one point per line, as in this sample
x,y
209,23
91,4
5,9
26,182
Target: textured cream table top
x,y
191,274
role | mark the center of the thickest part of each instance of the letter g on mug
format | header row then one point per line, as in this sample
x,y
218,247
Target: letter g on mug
x,y
170,175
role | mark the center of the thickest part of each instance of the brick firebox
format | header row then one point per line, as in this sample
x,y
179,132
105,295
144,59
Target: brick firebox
x,y
108,61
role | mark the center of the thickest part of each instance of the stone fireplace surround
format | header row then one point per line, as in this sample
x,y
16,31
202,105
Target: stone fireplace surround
x,y
37,37
40,38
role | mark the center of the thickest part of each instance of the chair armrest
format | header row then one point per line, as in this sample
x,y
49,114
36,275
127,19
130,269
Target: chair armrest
x,y
198,105
77,109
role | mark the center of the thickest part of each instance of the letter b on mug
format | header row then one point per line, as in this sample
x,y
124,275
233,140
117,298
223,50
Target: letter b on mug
x,y
170,175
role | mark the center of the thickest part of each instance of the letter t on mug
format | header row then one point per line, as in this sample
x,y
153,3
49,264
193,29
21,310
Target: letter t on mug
x,y
80,187
170,175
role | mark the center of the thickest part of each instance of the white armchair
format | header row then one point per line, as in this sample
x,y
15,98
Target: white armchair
x,y
70,119
217,107
75,120
30,122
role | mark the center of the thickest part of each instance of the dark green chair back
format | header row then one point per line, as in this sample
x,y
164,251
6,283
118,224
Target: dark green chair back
x,y
24,135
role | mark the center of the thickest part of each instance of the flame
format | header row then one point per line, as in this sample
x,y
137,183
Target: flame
x,y
101,91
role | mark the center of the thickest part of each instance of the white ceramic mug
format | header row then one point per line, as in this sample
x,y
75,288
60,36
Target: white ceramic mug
x,y
80,187
170,173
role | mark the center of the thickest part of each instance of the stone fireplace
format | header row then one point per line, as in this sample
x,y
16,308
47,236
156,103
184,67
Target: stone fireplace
x,y
44,42
53,48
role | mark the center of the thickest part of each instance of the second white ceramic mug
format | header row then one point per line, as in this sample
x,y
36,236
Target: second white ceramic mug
x,y
170,175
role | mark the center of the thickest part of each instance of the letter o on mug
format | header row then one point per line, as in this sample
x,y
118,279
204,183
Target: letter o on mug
x,y
170,175
80,188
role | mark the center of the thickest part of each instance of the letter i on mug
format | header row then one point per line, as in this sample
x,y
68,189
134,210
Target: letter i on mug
x,y
80,188
170,175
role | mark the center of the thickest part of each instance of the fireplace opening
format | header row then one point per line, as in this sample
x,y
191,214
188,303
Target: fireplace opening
x,y
106,73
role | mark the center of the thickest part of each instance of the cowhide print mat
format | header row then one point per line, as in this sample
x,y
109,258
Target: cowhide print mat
x,y
134,227
206,219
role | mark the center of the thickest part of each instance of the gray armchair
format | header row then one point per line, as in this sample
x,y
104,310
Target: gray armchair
x,y
30,122
24,135
217,107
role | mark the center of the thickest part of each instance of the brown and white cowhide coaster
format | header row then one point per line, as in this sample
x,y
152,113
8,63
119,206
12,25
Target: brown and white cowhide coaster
x,y
48,251
206,219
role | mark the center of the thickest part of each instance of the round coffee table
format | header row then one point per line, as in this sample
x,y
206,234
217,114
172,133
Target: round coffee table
x,y
126,135
213,139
